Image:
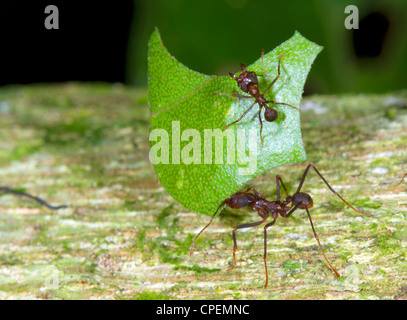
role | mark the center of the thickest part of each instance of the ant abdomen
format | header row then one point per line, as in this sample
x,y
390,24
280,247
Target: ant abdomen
x,y
270,114
303,199
240,200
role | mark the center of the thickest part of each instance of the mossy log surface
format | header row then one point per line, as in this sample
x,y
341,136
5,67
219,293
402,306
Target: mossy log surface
x,y
124,237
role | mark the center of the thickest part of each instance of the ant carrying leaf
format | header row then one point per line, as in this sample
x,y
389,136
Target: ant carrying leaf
x,y
265,208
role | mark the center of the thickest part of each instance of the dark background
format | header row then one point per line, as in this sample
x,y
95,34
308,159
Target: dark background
x,y
107,41
89,46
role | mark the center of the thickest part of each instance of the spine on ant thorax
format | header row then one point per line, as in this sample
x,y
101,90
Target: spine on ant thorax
x,y
254,91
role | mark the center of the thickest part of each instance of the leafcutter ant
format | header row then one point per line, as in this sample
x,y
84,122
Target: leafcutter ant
x,y
40,201
265,208
248,82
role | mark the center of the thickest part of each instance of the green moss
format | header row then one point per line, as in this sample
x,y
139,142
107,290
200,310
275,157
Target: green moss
x,y
162,220
79,130
123,236
291,266
197,269
141,236
367,203
148,295
10,260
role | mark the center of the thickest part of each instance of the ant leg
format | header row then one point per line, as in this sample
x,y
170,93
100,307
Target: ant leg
x,y
287,215
241,117
255,192
278,181
320,247
261,126
286,104
330,188
235,96
40,201
244,97
405,175
243,226
240,96
196,237
278,75
225,94
264,68
265,250
262,62
315,234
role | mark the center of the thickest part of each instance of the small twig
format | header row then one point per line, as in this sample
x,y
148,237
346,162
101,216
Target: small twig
x,y
40,201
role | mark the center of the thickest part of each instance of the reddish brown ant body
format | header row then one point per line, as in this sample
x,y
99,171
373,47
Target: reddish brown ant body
x,y
265,208
249,83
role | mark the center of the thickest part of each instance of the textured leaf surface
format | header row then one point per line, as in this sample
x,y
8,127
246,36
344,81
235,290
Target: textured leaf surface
x,y
182,98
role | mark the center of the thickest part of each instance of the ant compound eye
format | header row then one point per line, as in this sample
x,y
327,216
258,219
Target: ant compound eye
x,y
270,114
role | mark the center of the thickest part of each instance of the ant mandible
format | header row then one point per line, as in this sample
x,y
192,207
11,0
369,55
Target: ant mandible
x,y
265,208
249,83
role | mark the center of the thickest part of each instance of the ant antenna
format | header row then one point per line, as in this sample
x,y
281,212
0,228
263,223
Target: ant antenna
x,y
196,237
40,201
405,175
330,188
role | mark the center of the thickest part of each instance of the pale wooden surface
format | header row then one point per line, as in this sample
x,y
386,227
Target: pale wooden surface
x,y
125,237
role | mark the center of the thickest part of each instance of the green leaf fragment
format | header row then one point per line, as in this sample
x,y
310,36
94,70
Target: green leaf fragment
x,y
195,168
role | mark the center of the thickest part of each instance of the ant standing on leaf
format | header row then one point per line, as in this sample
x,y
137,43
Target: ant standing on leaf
x,y
249,83
265,208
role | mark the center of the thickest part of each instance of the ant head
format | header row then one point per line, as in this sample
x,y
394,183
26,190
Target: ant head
x,y
247,80
270,114
303,199
232,76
